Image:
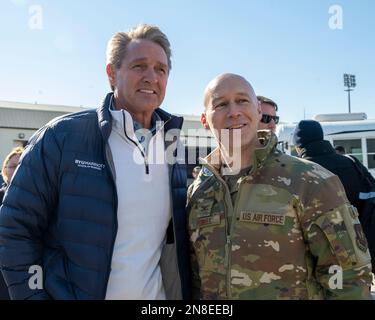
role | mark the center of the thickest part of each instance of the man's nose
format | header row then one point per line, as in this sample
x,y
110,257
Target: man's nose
x,y
234,110
150,75
271,125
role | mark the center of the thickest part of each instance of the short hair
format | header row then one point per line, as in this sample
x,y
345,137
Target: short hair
x,y
116,49
340,149
16,151
263,99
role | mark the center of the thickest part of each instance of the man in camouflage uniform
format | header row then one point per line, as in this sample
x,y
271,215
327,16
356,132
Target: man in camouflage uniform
x,y
281,227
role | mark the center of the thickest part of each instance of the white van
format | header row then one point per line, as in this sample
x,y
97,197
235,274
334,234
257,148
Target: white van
x,y
352,131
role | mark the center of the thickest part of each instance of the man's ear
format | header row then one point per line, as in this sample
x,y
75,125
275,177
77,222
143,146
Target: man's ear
x,y
204,121
111,74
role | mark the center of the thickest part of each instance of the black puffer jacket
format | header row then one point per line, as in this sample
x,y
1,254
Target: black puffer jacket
x,y
324,154
63,216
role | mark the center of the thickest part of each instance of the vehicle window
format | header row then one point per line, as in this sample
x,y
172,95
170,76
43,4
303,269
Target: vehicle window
x,y
352,147
371,153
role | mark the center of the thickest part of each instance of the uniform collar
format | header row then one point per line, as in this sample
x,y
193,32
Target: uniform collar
x,y
268,140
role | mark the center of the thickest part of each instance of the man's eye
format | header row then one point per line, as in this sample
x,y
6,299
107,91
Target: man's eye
x,y
243,101
220,105
138,66
162,70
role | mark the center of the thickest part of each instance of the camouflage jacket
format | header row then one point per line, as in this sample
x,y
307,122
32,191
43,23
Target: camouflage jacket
x,y
293,234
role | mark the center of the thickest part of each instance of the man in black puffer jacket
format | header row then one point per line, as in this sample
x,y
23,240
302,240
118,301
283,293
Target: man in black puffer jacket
x,y
89,210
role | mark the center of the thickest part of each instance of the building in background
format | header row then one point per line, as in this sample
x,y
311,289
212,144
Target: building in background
x,y
18,122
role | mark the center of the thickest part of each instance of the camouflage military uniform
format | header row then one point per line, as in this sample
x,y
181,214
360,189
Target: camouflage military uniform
x,y
290,223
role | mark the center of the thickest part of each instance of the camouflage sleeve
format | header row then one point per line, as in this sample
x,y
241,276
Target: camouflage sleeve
x,y
196,281
337,243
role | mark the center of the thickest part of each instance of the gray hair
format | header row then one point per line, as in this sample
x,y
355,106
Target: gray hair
x,y
116,49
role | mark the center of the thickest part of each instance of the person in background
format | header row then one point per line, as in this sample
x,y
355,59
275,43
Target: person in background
x,y
340,150
9,166
269,119
308,139
356,179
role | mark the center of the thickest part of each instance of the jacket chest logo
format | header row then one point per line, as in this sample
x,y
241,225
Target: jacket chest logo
x,y
262,218
89,165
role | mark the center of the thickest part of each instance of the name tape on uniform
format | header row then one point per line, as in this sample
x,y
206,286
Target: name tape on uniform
x,y
212,220
263,217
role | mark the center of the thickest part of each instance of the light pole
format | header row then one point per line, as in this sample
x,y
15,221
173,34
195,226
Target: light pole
x,y
349,82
